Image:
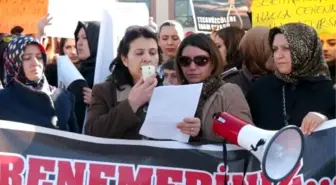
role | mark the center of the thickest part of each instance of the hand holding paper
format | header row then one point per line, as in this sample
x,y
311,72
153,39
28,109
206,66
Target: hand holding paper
x,y
168,107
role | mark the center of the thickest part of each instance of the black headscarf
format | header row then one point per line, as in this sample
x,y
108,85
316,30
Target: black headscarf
x,y
87,67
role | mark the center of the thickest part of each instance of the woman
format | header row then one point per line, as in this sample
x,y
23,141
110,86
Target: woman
x,y
170,35
119,105
329,50
28,97
227,41
300,93
199,61
86,36
67,47
257,59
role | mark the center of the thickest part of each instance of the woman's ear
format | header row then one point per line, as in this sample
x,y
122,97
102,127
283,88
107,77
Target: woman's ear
x,y
124,60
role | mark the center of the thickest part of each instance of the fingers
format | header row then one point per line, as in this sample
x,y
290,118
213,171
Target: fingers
x,y
191,128
190,120
311,121
305,124
139,82
153,85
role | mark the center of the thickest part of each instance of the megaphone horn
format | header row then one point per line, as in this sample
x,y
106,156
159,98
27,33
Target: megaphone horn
x,y
279,152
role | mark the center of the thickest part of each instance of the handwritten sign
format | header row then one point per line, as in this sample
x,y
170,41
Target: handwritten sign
x,y
319,14
24,13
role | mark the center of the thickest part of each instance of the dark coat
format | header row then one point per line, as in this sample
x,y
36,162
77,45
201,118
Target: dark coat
x,y
266,102
22,104
87,67
243,78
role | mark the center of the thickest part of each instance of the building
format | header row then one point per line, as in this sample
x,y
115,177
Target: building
x,y
162,10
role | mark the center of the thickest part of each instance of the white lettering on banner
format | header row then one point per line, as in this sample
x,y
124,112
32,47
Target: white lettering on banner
x,y
216,20
34,169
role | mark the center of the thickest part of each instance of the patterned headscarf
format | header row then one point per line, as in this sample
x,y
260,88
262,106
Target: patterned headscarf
x,y
306,51
13,62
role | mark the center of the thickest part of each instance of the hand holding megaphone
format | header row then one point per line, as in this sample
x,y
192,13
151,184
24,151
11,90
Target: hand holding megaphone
x,y
279,152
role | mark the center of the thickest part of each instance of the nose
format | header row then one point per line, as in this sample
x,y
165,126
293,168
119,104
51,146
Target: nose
x,y
170,41
79,42
278,54
192,65
73,50
35,62
146,59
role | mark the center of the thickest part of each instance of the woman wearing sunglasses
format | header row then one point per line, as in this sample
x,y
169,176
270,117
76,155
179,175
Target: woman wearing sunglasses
x,y
199,61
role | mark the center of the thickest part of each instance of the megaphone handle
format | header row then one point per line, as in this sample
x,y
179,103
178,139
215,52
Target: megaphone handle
x,y
225,159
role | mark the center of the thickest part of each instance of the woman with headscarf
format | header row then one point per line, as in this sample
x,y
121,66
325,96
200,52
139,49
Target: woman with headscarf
x,y
300,93
86,36
256,56
27,96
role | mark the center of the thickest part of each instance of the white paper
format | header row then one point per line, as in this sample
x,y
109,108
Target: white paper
x,y
67,13
115,20
67,72
168,106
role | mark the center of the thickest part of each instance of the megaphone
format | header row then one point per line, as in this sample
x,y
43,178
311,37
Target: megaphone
x,y
279,152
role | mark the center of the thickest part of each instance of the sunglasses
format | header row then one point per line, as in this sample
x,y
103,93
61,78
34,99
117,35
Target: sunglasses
x,y
198,60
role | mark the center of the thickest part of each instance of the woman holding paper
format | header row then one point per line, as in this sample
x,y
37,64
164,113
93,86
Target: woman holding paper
x,y
198,61
27,96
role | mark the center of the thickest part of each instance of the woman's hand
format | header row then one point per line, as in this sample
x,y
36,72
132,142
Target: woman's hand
x,y
142,92
87,95
190,126
311,121
42,23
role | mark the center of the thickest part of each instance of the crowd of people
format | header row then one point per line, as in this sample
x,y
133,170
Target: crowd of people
x,y
269,77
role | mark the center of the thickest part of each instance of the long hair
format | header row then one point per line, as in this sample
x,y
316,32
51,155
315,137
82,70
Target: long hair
x,y
231,37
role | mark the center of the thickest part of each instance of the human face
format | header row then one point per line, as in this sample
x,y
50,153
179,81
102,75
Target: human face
x,y
69,49
196,73
282,54
221,47
82,45
169,77
328,41
143,51
32,62
169,41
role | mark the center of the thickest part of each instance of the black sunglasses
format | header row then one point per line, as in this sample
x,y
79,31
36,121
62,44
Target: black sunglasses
x,y
198,60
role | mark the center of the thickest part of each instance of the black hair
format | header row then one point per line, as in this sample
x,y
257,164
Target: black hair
x,y
16,30
120,74
169,64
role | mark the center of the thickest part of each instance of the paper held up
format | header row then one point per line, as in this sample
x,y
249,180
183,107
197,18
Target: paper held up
x,y
168,106
68,75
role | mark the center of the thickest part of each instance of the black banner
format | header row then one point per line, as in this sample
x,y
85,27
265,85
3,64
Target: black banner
x,y
32,155
209,14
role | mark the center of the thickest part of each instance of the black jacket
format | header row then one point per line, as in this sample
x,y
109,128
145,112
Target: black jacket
x,y
19,103
266,102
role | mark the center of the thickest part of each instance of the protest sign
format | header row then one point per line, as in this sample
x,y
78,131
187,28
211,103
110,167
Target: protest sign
x,y
209,14
24,13
115,20
32,155
319,14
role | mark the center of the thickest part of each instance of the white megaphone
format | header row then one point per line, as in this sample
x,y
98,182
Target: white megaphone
x,y
279,152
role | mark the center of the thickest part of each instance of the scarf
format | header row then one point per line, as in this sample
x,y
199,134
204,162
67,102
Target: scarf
x,y
210,86
13,64
88,65
306,51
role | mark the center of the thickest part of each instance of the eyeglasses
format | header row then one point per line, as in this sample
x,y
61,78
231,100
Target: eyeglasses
x,y
198,60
